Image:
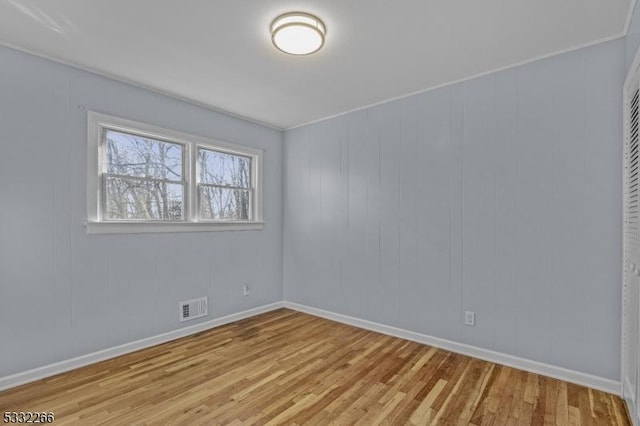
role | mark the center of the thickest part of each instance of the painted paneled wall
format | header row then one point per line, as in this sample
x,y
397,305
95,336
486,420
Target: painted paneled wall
x,y
64,293
633,36
500,195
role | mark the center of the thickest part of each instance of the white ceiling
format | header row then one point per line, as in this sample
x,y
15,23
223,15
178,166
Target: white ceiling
x,y
219,53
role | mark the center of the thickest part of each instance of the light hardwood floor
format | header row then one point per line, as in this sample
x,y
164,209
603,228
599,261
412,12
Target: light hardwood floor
x,y
286,367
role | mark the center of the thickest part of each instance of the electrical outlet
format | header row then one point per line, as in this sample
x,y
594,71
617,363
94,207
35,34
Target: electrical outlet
x,y
469,318
246,289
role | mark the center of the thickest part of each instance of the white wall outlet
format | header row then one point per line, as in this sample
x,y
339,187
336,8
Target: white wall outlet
x,y
469,318
245,289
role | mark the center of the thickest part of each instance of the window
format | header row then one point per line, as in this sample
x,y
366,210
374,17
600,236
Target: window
x,y
142,178
224,187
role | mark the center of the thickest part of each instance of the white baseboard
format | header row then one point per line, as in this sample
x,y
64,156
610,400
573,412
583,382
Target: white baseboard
x,y
629,395
567,375
83,360
572,376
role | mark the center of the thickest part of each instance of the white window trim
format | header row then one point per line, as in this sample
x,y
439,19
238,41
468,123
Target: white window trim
x,y
96,122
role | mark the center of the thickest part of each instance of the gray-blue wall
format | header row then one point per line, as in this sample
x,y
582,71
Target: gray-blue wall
x,y
633,36
64,293
500,195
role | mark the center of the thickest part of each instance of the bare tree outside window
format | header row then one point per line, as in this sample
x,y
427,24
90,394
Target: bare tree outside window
x,y
143,178
225,186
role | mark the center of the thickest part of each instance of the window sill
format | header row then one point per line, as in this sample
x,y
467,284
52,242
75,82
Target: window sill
x,y
144,228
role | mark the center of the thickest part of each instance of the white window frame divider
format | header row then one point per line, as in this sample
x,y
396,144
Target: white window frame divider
x,y
97,122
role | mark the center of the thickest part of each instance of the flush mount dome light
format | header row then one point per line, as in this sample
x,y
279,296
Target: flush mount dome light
x,y
298,33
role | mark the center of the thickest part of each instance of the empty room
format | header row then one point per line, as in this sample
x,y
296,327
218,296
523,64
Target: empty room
x,y
270,212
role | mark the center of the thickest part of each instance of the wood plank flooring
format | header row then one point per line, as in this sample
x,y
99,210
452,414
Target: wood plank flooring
x,y
286,367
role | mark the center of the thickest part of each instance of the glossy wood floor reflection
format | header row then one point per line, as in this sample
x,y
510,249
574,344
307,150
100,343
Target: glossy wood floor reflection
x,y
285,367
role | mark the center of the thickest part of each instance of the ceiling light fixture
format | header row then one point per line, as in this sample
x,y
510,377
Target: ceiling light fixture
x,y
298,33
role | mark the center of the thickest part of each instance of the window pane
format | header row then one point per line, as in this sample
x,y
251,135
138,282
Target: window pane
x,y
135,199
133,155
224,203
223,169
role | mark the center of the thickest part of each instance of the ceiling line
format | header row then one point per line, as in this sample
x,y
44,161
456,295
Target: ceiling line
x,y
462,80
627,23
218,110
135,83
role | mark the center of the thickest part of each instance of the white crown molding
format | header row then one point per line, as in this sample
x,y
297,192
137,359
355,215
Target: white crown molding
x,y
83,360
624,32
627,23
360,108
595,382
140,85
464,79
